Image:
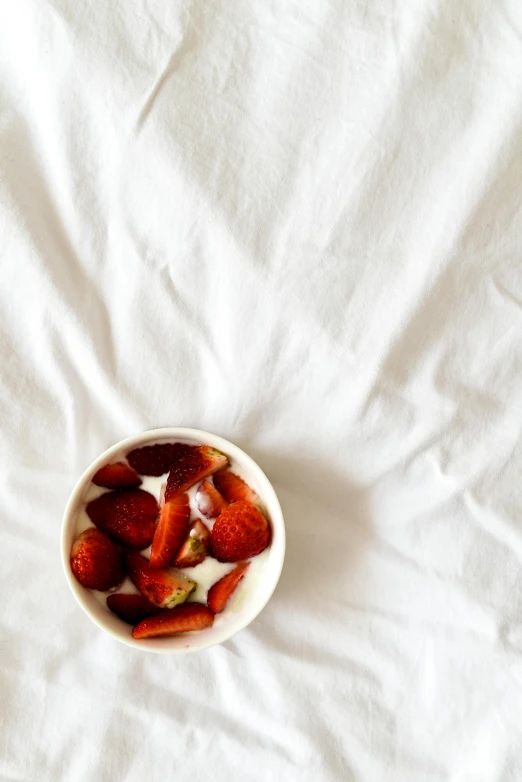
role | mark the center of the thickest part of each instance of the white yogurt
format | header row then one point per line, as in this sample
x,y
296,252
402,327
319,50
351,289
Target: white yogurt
x,y
210,570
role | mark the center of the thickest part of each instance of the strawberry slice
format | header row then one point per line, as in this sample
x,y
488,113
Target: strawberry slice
x,y
95,561
117,476
157,459
220,592
209,501
199,463
164,587
128,517
183,619
240,532
196,546
171,530
233,488
131,608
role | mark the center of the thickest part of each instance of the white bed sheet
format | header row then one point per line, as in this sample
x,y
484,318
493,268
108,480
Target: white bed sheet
x,y
298,225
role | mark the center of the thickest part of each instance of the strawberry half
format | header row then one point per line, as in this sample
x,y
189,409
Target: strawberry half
x,y
131,608
192,467
240,532
183,619
196,546
171,530
128,517
95,561
209,501
220,592
117,476
233,488
164,587
157,459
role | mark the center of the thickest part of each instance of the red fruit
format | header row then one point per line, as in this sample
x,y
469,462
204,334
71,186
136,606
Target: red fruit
x,y
196,546
209,501
128,517
164,587
157,459
192,467
131,608
117,476
233,488
220,592
240,532
183,619
171,531
95,561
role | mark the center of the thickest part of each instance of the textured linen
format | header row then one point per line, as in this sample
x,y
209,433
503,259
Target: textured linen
x,y
298,225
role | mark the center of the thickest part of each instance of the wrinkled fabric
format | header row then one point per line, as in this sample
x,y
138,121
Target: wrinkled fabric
x,y
297,225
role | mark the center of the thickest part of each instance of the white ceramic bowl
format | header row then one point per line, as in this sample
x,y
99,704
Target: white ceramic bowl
x,y
229,622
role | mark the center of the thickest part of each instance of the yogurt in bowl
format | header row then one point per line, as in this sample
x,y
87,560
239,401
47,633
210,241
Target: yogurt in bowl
x,y
248,598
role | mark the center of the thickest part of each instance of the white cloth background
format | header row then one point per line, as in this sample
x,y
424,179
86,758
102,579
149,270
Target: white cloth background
x,y
299,225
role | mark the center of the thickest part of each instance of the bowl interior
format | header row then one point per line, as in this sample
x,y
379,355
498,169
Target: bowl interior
x,y
259,590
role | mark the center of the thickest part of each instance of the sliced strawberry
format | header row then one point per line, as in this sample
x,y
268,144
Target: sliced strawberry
x,y
192,467
233,488
240,532
209,501
164,587
196,546
157,459
131,608
128,517
220,592
183,619
171,531
117,476
95,561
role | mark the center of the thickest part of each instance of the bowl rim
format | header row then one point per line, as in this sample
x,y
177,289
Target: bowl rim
x,y
261,597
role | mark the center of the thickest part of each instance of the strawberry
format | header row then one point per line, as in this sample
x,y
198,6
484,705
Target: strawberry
x,y
157,459
128,517
171,530
95,561
220,592
234,488
183,619
117,476
240,531
192,467
165,587
131,608
209,501
196,546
